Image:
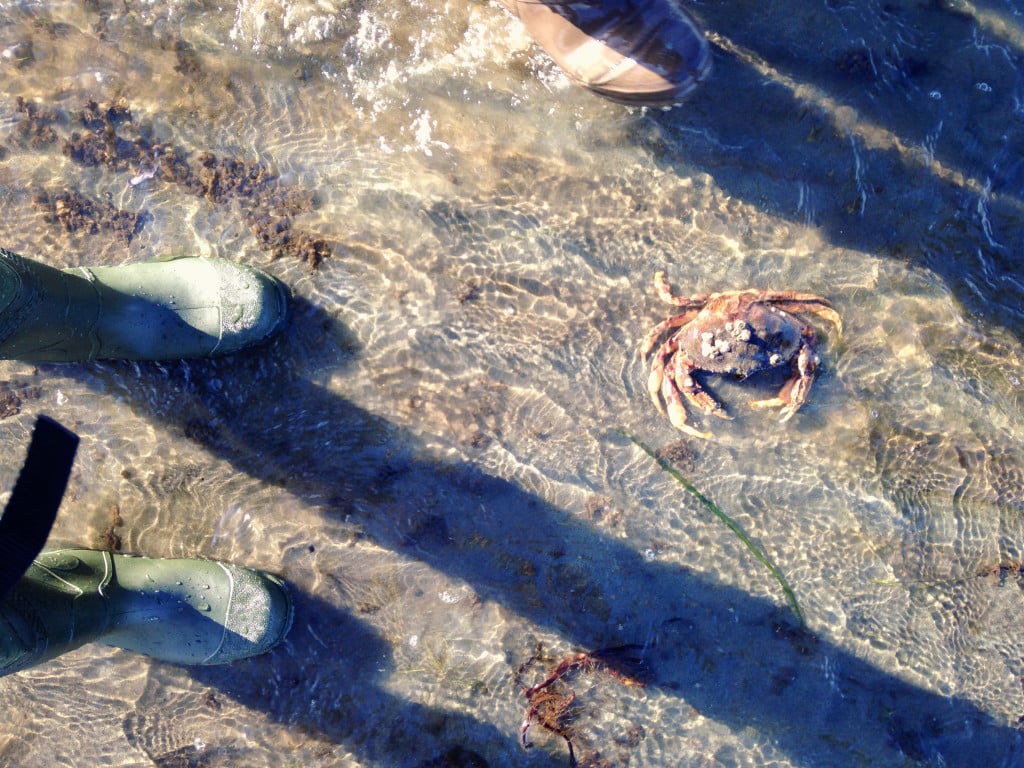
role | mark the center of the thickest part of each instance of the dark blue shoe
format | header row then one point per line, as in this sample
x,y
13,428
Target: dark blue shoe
x,y
638,52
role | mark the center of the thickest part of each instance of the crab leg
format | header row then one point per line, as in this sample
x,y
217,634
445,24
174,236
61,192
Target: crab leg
x,y
680,383
664,325
795,391
657,375
663,290
794,302
677,411
683,378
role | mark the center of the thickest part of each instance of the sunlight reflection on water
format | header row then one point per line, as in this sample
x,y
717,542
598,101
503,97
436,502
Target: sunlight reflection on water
x,y
429,453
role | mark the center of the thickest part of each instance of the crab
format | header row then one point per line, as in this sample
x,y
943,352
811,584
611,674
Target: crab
x,y
738,333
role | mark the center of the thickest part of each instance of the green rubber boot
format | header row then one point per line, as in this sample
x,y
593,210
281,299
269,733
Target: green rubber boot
x,y
157,310
181,611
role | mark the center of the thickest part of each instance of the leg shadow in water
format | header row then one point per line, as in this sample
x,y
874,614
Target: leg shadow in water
x,y
731,657
326,678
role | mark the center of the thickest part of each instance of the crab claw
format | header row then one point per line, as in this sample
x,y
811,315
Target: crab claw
x,y
795,391
696,394
655,381
676,409
677,418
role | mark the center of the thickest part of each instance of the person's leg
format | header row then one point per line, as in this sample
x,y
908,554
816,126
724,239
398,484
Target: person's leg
x,y
181,611
638,52
160,310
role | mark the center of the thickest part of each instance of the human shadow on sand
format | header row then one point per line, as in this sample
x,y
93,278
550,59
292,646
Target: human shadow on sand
x,y
736,659
898,146
328,680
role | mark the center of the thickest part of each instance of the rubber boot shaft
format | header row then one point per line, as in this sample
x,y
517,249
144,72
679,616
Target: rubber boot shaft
x,y
46,314
56,607
182,611
160,310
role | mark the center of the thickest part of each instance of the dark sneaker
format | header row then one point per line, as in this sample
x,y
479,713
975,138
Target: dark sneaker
x,y
637,52
181,611
155,310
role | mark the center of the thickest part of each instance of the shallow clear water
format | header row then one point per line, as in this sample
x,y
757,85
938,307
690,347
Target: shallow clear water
x,y
432,453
